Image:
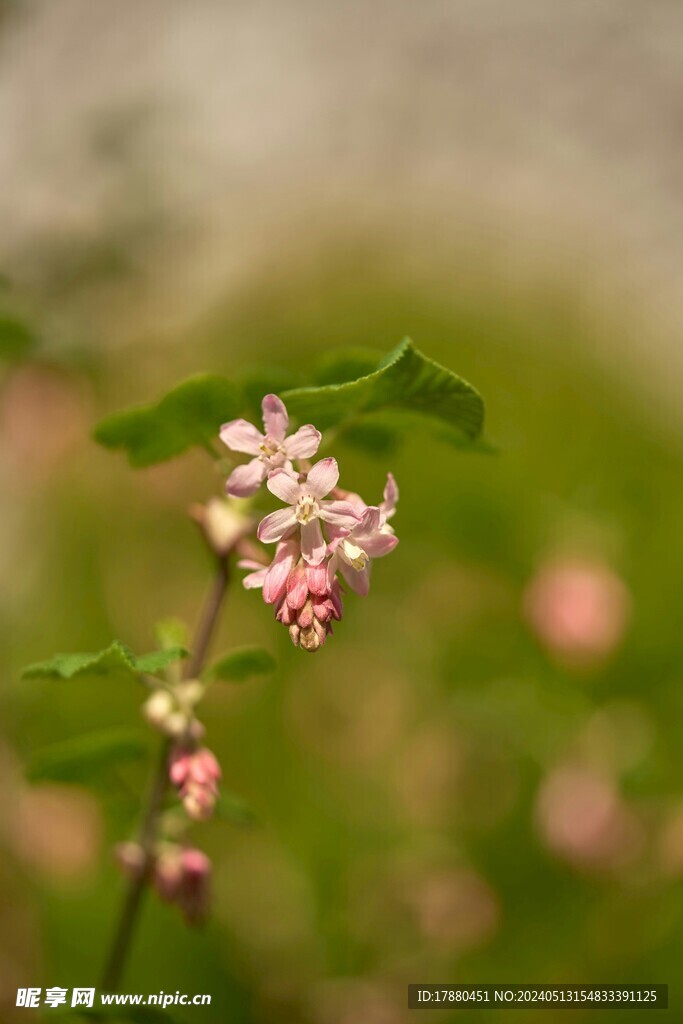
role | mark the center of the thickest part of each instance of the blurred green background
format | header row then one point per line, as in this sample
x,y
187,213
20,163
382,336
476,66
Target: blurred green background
x,y
480,777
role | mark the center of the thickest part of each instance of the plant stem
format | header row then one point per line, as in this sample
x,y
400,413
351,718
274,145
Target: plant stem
x,y
137,885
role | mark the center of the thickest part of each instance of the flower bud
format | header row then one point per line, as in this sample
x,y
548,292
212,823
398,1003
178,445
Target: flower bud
x,y
195,774
222,524
307,604
167,872
193,894
171,710
158,707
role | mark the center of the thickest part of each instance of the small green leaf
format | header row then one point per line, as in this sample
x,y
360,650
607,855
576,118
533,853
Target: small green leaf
x,y
158,660
114,658
190,414
232,808
241,664
78,759
405,380
117,658
15,338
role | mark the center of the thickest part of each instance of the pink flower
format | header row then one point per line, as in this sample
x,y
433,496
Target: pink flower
x,y
195,774
306,508
272,450
372,537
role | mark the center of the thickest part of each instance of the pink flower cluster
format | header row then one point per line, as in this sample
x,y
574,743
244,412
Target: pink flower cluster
x,y
195,773
180,874
321,531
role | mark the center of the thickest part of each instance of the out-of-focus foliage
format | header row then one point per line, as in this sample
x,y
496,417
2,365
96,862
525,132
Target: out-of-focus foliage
x,y
241,664
193,412
116,659
461,786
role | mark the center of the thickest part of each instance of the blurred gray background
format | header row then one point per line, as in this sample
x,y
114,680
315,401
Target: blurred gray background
x,y
176,150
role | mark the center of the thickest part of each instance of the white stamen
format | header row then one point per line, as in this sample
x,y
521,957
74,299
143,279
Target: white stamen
x,y
307,508
354,555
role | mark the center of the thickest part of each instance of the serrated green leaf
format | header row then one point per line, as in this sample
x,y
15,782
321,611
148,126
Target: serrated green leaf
x,y
155,661
232,808
405,380
241,664
117,658
347,364
78,759
262,381
191,414
15,338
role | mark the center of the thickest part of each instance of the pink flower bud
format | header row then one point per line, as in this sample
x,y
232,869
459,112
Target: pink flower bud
x,y
195,774
182,876
307,600
193,893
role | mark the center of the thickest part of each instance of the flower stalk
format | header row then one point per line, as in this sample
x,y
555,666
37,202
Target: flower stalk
x,y
139,879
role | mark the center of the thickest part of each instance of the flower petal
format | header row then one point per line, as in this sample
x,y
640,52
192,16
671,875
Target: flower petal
x,y
274,526
241,436
256,578
388,506
313,547
297,589
370,523
304,443
246,480
284,486
322,478
316,578
338,513
380,544
357,579
275,583
275,418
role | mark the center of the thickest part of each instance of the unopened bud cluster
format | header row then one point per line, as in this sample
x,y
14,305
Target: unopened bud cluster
x,y
301,581
180,874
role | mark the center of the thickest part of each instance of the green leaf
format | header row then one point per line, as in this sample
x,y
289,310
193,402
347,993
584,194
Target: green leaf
x,y
190,414
241,664
232,808
262,381
114,658
78,759
158,660
117,658
340,366
373,438
15,338
405,380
